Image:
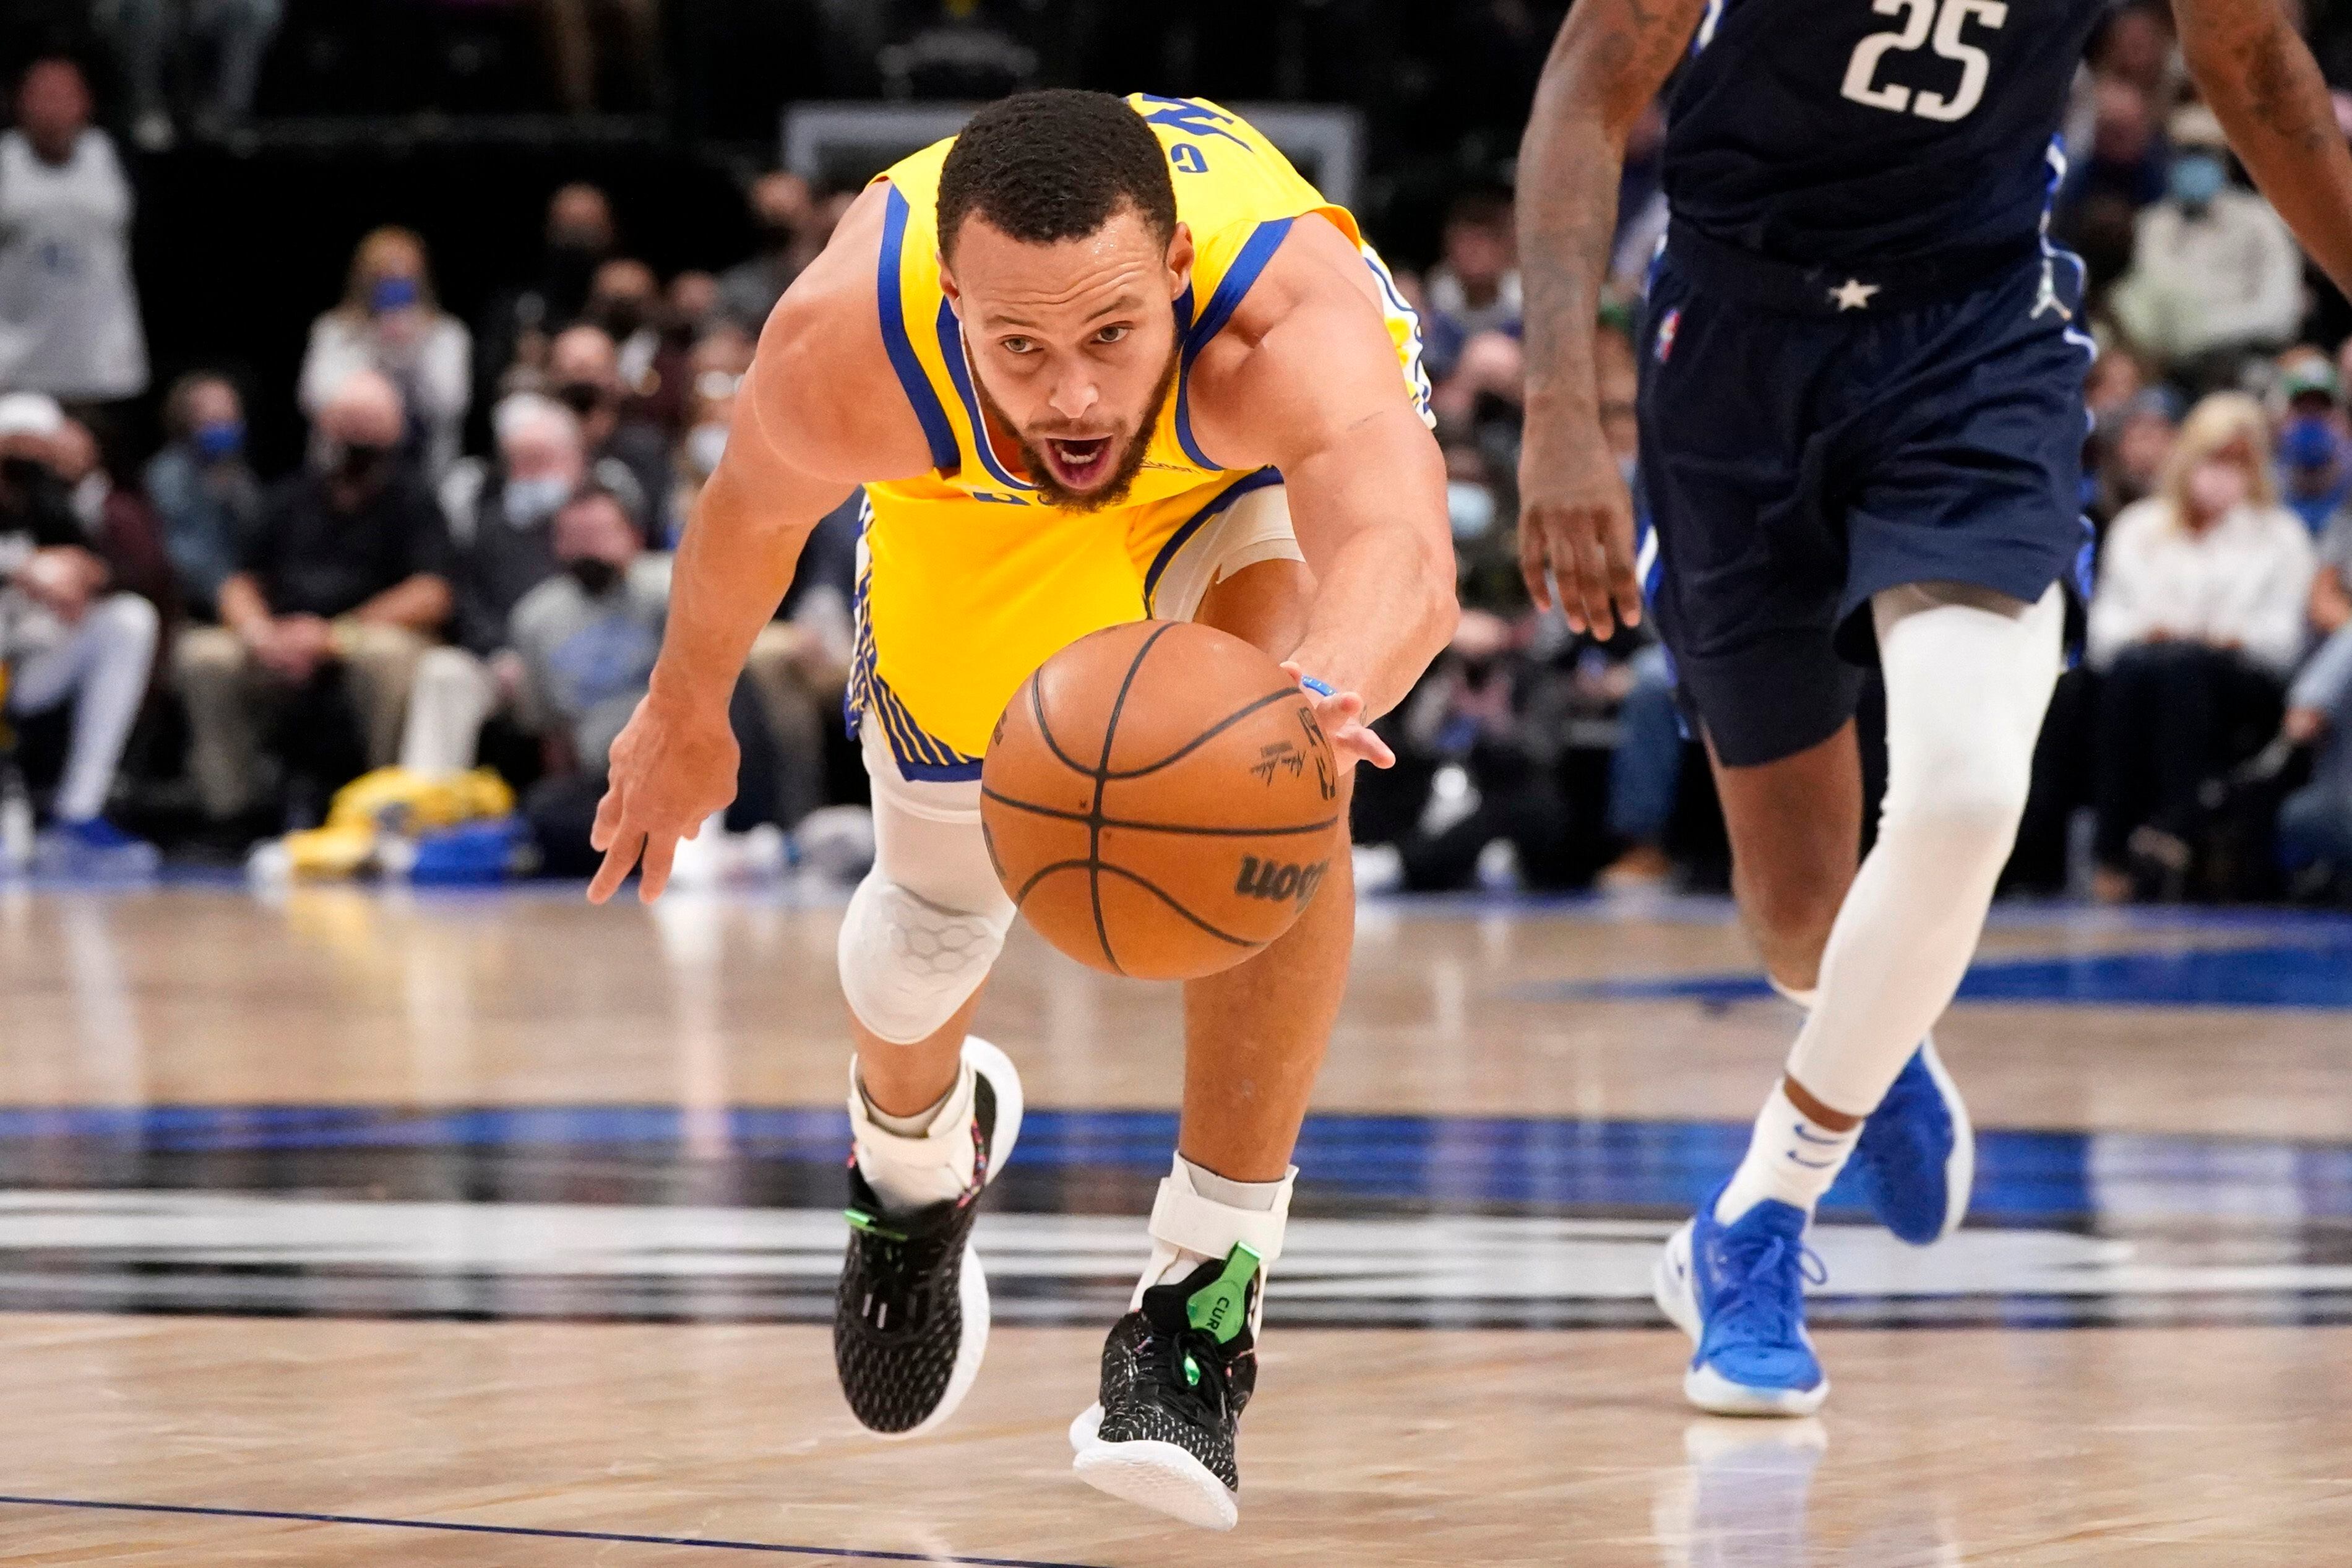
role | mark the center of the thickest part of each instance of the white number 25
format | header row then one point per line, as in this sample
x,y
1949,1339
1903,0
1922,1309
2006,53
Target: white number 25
x,y
1920,18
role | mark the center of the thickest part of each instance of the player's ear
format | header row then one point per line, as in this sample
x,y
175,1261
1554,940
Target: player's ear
x,y
947,287
1180,260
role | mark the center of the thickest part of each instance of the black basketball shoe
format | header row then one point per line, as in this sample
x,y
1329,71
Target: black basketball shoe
x,y
1175,1378
910,1319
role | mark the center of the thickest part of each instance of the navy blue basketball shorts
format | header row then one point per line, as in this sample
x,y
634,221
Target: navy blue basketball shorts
x,y
1807,442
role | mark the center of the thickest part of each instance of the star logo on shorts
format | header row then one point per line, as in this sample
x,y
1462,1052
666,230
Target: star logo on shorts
x,y
1853,294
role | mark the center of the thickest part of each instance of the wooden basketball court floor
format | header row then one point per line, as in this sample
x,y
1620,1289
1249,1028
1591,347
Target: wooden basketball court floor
x,y
377,1227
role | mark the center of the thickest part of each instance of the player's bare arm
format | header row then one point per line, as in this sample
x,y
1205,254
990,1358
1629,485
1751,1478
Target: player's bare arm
x,y
2258,75
821,412
1576,518
1304,379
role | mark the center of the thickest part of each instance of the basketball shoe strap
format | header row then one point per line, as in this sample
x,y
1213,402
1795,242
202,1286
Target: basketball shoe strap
x,y
1189,1229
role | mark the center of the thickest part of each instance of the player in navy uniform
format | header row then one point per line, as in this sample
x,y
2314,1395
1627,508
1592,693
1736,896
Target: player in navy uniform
x,y
1861,422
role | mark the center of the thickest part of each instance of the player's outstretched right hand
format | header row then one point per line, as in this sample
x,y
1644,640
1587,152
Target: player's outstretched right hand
x,y
672,766
1575,529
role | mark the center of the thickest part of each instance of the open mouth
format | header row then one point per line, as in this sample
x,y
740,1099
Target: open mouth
x,y
1079,464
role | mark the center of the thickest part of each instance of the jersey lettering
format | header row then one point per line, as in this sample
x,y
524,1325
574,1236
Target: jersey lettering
x,y
1191,119
1188,158
1947,21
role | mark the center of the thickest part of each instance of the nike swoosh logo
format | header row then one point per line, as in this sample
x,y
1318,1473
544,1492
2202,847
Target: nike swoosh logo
x,y
1809,1138
1812,1165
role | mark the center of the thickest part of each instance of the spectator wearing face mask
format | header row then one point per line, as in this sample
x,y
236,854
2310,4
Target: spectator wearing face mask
x,y
346,574
389,322
2215,273
2314,475
69,313
521,323
783,214
1475,287
119,523
2196,623
502,545
67,636
204,493
2314,824
584,373
626,302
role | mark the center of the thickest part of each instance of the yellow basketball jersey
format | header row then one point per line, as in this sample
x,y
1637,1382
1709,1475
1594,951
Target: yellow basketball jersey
x,y
968,581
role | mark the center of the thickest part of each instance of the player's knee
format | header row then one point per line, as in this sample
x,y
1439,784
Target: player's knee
x,y
1793,905
907,963
1967,799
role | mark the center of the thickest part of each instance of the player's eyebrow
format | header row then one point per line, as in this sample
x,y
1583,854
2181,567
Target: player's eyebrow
x,y
1129,303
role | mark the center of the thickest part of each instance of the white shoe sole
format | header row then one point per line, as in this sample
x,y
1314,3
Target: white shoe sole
x,y
971,1283
1961,1165
1675,1288
1160,1477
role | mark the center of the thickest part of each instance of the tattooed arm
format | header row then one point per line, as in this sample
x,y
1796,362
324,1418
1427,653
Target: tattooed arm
x,y
1576,520
2261,81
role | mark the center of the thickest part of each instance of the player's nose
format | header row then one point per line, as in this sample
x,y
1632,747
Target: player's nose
x,y
1074,397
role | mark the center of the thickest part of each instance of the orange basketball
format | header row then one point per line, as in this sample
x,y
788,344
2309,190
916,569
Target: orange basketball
x,y
1160,800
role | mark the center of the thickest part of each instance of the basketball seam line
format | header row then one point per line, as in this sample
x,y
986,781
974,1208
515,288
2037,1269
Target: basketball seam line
x,y
1154,889
1102,783
1205,736
1055,811
1045,733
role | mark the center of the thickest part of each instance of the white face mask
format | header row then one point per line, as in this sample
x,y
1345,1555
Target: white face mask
x,y
1471,507
704,446
528,501
90,499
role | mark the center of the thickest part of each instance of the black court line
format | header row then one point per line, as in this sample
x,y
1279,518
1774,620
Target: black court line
x,y
517,1530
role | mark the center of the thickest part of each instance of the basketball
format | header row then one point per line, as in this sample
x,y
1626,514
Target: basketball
x,y
1160,801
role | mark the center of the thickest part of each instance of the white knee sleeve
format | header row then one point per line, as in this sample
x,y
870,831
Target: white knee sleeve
x,y
907,963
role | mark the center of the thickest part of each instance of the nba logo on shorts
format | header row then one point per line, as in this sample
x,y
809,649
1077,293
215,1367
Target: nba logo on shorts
x,y
1667,329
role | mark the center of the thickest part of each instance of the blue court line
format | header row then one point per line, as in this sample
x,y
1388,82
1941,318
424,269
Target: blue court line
x,y
607,1537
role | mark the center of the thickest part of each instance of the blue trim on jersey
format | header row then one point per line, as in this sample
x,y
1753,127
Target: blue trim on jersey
x,y
945,456
1255,252
1199,520
950,330
1416,373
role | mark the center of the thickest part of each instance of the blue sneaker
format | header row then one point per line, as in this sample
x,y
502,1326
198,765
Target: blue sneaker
x,y
1918,1154
94,848
1738,1291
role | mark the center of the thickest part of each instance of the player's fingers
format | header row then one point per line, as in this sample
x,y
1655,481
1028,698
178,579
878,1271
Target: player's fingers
x,y
1532,563
661,849
619,855
1624,577
1370,748
1592,580
609,811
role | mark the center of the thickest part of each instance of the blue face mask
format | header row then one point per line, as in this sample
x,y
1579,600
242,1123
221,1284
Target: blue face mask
x,y
2197,179
2308,442
1471,507
392,294
528,501
219,441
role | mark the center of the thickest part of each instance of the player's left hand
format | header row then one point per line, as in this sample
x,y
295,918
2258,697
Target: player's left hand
x,y
1341,714
672,767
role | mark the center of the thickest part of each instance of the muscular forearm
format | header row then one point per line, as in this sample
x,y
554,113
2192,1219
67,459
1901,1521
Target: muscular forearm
x,y
1384,603
733,566
1570,165
2261,81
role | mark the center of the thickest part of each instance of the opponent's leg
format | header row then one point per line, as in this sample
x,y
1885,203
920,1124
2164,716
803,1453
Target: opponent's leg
x,y
1795,826
933,1113
1179,1367
1969,676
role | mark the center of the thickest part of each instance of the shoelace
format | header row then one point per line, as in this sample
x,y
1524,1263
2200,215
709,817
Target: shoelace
x,y
891,1261
1188,1368
1770,1277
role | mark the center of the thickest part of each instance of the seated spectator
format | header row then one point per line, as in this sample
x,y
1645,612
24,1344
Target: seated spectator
x,y
2314,445
693,306
502,545
2215,272
1475,289
584,372
2130,449
2197,621
69,314
66,635
2128,162
346,575
205,495
388,322
784,215
117,523
626,302
2137,45
519,325
2315,824
157,38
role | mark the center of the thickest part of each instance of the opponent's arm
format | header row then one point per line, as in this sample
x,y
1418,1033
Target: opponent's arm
x,y
804,433
2259,79
1576,519
1319,393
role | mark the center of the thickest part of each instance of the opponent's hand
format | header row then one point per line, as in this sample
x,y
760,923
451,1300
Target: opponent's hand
x,y
1341,715
1576,520
671,767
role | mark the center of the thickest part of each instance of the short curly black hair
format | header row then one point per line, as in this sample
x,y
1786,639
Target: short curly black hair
x,y
1052,166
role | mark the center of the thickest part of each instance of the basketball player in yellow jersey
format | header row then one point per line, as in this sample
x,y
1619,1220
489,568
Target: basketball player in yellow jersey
x,y
1095,358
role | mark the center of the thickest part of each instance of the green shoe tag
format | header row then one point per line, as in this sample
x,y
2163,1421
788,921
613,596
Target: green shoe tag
x,y
1192,1372
860,1220
1221,1308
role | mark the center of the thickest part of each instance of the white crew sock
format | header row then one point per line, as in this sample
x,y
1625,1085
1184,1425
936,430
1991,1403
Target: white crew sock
x,y
1201,1217
1791,1157
912,1162
1805,999
1969,676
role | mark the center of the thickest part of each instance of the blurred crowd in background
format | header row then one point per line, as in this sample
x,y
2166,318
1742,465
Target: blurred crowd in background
x,y
462,562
